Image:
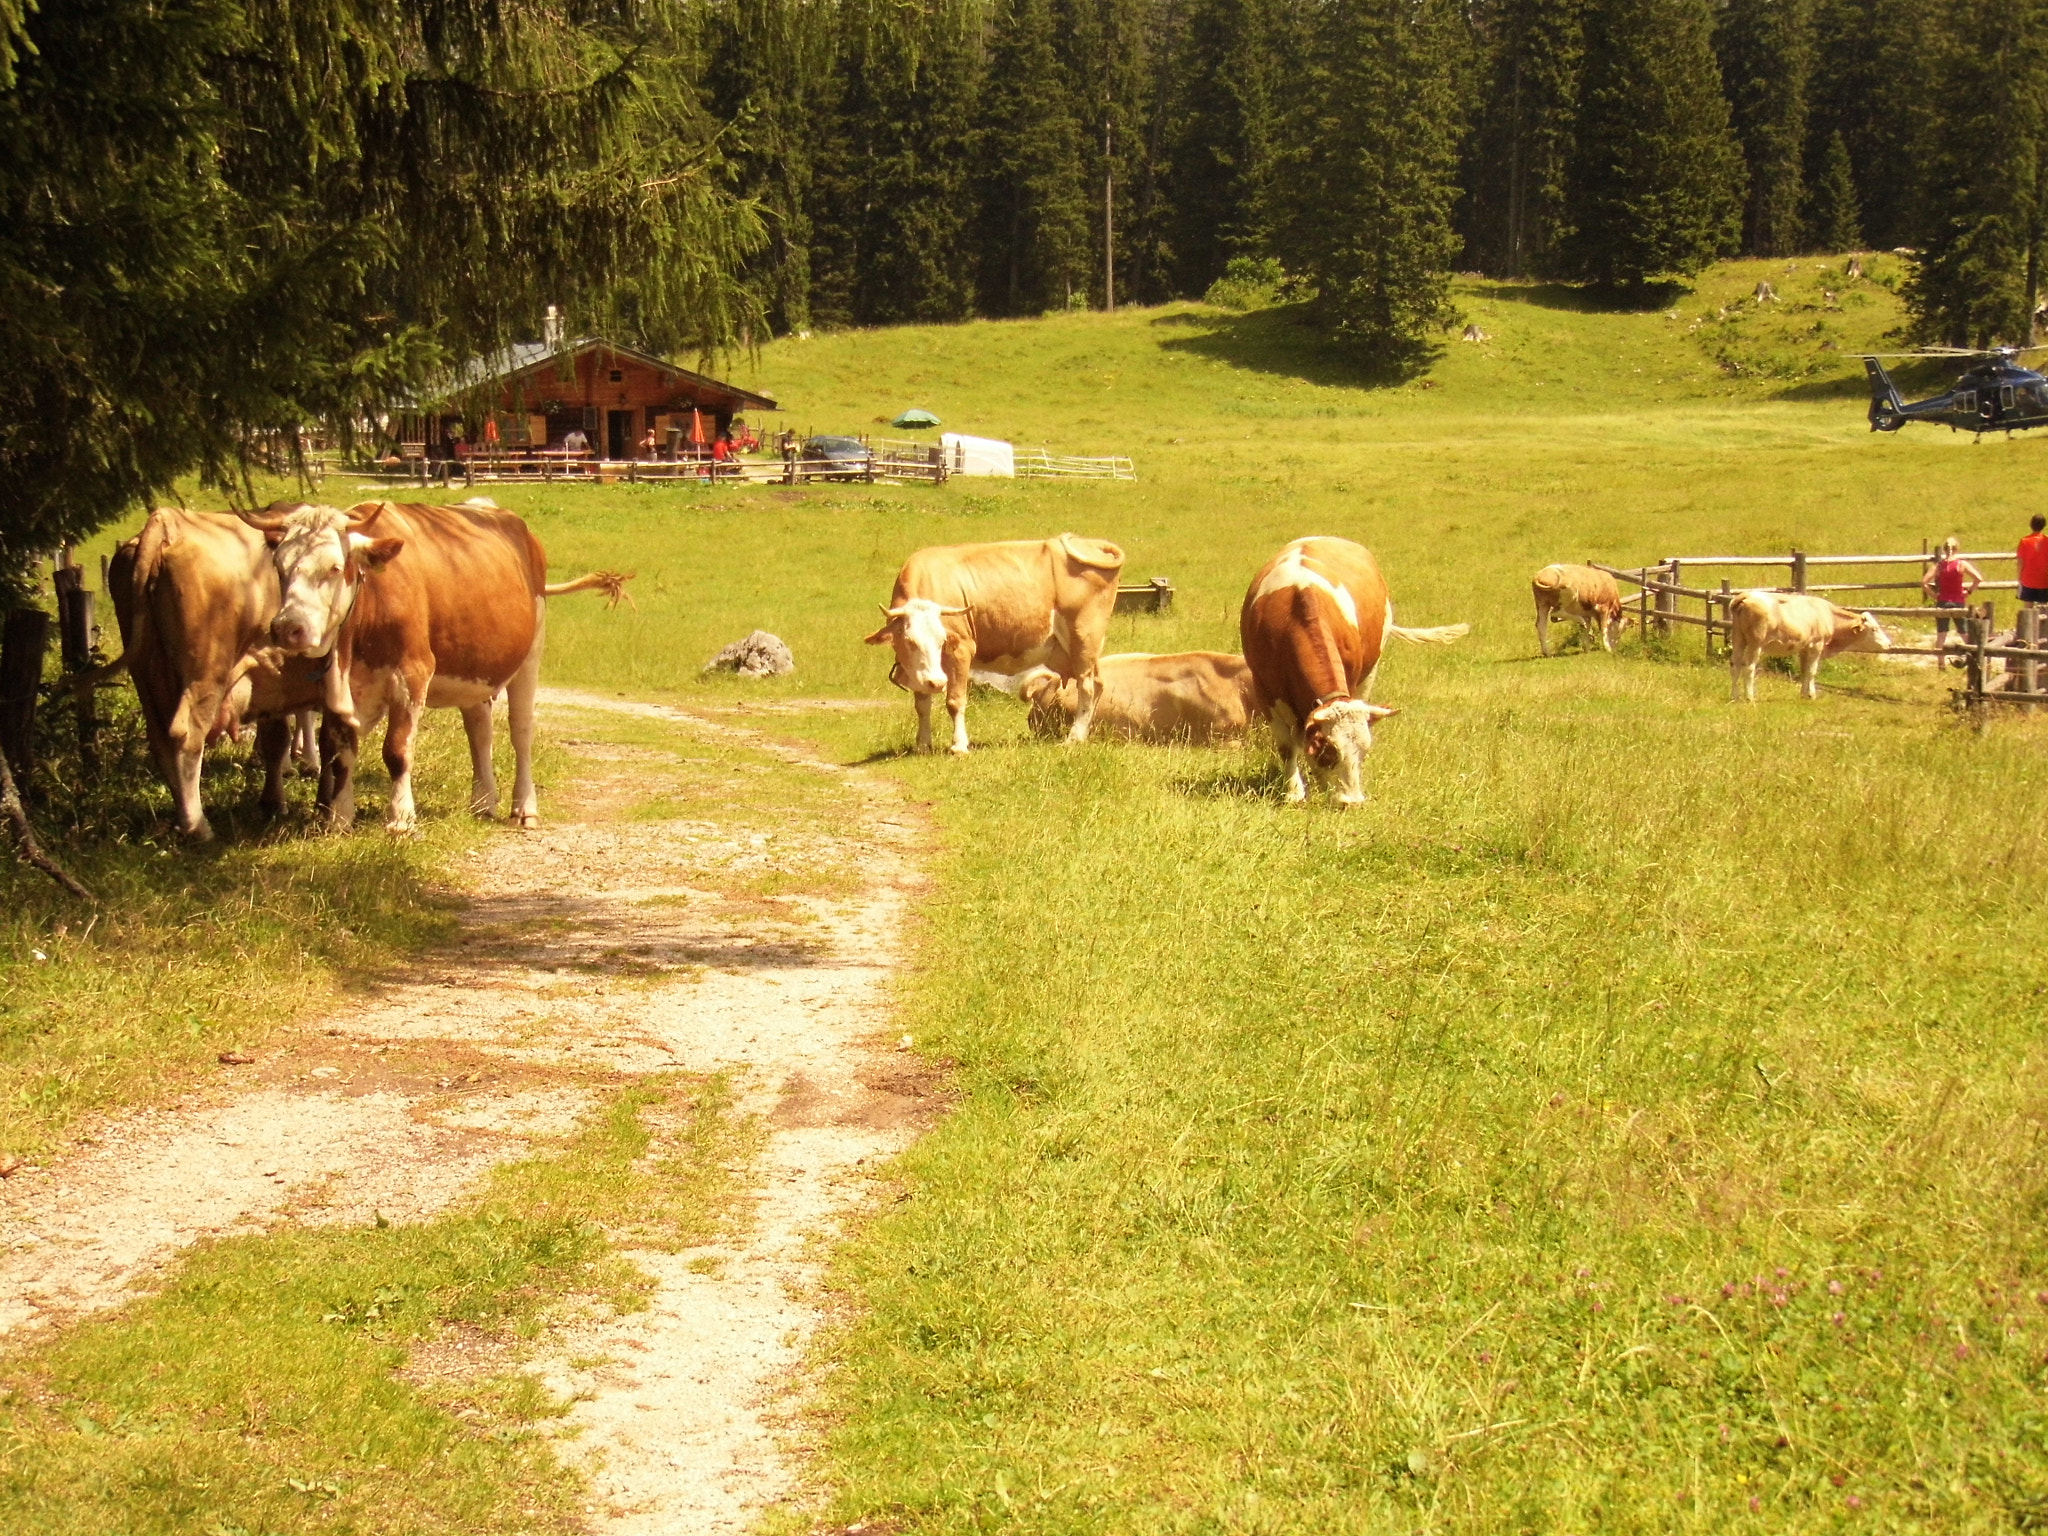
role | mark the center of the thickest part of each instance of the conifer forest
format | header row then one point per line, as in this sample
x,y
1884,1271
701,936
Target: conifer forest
x,y
292,209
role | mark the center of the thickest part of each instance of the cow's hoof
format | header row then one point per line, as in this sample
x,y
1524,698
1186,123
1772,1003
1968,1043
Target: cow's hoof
x,y
957,751
524,821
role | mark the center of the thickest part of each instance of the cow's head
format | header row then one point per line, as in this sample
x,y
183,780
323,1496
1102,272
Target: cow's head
x,y
1336,737
917,628
322,555
1861,632
1052,698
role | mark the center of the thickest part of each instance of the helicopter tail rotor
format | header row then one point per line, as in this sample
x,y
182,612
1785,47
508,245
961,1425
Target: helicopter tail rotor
x,y
1887,408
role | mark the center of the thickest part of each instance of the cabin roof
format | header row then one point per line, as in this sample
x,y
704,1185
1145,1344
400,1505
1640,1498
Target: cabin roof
x,y
526,357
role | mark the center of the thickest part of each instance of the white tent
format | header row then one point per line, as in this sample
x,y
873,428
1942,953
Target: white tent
x,y
978,455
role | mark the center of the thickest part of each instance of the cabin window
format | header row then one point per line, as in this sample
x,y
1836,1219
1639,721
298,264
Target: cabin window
x,y
2005,396
618,375
1968,402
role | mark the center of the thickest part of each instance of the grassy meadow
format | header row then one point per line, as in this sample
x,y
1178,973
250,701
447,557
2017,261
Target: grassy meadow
x,y
1629,1119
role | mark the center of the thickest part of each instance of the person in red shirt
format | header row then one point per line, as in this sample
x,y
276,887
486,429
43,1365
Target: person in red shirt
x,y
1950,581
2034,562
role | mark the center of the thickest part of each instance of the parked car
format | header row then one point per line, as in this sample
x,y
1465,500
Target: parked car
x,y
849,452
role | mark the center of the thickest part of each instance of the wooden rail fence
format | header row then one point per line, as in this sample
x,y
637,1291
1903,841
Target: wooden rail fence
x,y
1662,589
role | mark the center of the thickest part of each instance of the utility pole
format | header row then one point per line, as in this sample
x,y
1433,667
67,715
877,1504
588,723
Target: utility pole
x,y
1108,222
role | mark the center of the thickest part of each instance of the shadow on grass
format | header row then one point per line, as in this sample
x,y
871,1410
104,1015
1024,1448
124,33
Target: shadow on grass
x,y
1285,340
1584,300
1259,784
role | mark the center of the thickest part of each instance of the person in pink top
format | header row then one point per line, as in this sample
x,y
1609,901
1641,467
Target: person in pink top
x,y
1949,581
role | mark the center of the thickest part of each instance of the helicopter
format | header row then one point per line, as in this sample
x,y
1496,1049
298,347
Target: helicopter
x,y
1997,395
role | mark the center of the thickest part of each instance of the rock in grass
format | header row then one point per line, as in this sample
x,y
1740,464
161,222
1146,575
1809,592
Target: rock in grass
x,y
759,655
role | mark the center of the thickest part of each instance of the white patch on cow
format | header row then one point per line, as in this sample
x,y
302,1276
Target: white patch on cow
x,y
1288,571
922,625
314,592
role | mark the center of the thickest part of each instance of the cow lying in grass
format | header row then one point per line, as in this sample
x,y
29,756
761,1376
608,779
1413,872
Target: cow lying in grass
x,y
1577,592
1194,696
1764,624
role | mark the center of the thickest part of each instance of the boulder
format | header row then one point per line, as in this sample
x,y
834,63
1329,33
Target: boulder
x,y
759,655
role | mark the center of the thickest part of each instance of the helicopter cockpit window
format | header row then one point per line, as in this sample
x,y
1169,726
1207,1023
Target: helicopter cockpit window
x,y
2005,396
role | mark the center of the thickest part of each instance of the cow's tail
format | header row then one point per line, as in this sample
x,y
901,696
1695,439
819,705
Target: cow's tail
x,y
1442,634
611,583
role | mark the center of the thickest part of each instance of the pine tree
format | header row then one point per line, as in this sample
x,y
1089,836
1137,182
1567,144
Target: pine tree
x,y
1375,182
1520,148
1979,278
219,220
1035,203
1766,56
1873,84
1222,147
1656,184
1833,221
766,79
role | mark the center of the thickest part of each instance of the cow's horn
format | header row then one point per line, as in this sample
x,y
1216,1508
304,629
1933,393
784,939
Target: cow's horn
x,y
262,522
359,519
944,611
892,613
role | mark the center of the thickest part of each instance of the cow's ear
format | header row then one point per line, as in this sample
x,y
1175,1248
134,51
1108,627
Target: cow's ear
x,y
881,636
381,552
273,537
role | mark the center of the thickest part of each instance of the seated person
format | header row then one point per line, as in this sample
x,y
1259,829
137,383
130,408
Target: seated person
x,y
575,441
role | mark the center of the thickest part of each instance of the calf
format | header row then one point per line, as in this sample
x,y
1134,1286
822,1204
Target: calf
x,y
1793,624
1194,696
1315,621
1577,592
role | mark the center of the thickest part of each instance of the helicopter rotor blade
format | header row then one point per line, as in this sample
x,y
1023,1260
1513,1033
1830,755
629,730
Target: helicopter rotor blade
x,y
1962,352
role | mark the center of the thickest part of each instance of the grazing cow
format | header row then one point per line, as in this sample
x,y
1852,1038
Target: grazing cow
x,y
1314,623
409,607
1002,608
194,595
1577,592
1195,696
1793,624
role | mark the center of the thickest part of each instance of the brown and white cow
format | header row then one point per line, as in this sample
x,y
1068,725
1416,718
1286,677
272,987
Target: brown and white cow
x,y
1763,623
1577,592
1192,696
1001,608
1315,621
194,594
411,607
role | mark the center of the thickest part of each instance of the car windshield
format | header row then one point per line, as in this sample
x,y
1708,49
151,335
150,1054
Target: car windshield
x,y
834,446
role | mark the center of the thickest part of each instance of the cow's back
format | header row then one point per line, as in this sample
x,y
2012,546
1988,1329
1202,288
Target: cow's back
x,y
1313,622
469,579
1013,588
1592,591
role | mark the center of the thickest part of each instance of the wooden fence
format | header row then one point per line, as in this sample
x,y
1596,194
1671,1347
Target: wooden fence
x,y
1663,590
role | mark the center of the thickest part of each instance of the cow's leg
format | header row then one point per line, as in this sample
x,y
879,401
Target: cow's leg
x,y
339,742
190,727
519,708
1542,626
1088,694
305,746
1809,673
273,750
408,698
483,780
923,701
1287,741
1603,628
958,677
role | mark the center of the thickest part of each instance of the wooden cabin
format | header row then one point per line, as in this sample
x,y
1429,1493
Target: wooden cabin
x,y
613,394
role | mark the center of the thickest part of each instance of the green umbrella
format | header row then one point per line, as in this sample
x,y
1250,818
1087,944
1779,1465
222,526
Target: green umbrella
x,y
915,418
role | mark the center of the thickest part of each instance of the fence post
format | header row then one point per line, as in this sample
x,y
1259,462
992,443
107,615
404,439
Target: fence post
x,y
2030,637
1666,601
1726,630
74,641
1798,570
22,643
1980,625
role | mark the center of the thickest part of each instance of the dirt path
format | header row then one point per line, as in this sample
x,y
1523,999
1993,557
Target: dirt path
x,y
602,947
